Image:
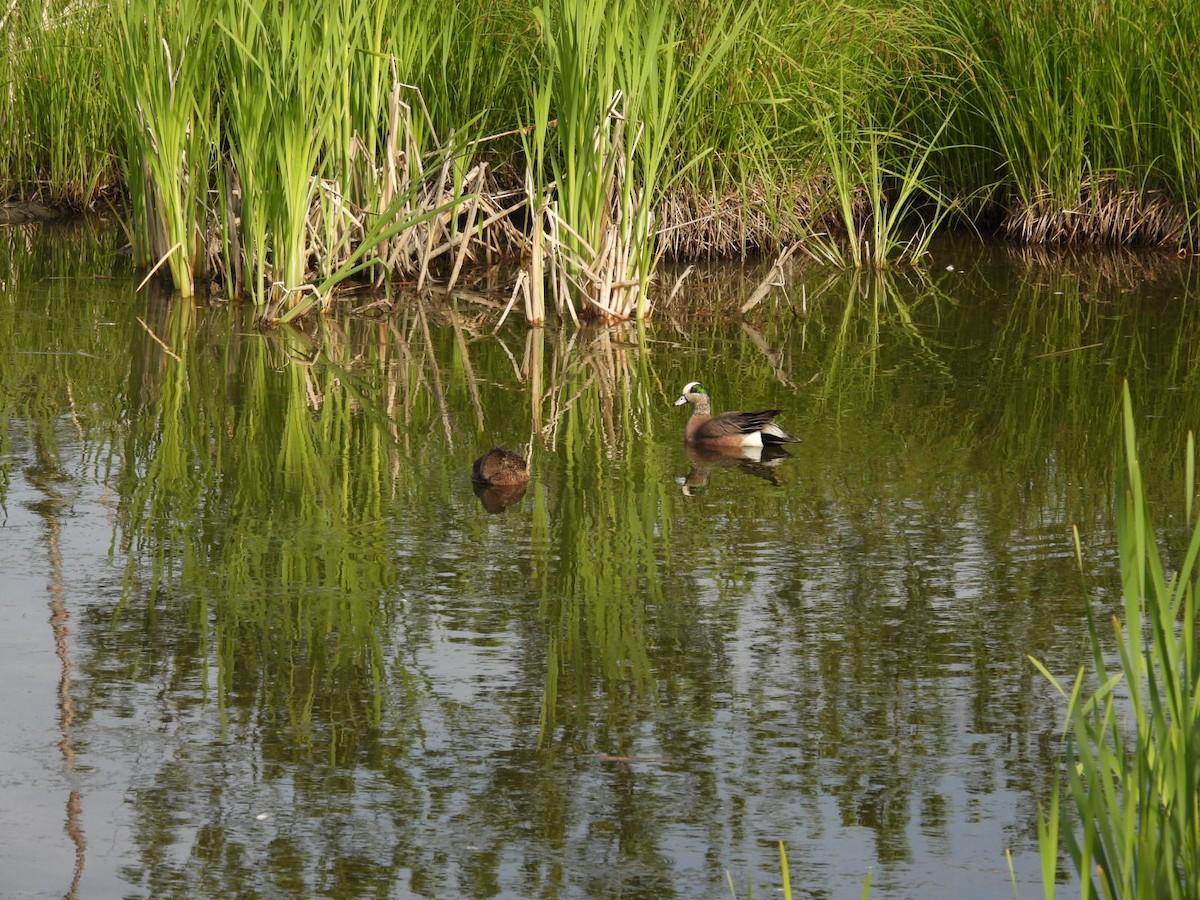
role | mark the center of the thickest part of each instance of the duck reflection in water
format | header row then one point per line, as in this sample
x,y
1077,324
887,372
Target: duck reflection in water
x,y
761,462
499,479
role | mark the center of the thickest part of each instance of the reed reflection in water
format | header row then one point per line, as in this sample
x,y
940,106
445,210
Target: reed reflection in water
x,y
317,664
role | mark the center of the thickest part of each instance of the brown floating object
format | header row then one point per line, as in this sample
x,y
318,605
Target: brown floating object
x,y
500,468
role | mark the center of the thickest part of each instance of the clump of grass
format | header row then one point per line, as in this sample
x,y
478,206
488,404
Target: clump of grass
x,y
1133,732
1081,105
56,112
878,180
587,204
165,80
314,120
614,86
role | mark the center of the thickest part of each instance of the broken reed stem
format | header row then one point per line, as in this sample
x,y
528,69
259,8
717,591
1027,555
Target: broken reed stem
x,y
775,278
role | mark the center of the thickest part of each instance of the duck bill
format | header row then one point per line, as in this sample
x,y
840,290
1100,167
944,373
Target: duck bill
x,y
680,401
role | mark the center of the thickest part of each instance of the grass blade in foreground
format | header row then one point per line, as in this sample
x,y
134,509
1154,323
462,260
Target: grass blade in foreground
x,y
1133,748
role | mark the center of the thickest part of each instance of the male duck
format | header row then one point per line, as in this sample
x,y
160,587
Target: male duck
x,y
729,430
500,468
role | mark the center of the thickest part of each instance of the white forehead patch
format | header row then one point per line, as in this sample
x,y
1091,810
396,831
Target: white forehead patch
x,y
687,388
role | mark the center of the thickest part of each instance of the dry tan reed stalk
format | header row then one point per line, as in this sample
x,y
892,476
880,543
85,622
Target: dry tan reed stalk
x,y
486,224
464,352
535,282
160,341
605,360
774,278
1105,213
774,357
334,227
696,224
532,363
551,250
436,229
439,392
158,265
520,288
682,277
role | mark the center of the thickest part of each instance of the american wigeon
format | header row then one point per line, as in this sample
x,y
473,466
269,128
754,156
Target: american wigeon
x,y
731,429
500,468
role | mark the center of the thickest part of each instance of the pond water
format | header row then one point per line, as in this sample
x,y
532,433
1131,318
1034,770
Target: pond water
x,y
262,638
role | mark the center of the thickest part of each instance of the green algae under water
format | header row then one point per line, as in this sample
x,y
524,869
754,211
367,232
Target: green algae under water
x,y
263,639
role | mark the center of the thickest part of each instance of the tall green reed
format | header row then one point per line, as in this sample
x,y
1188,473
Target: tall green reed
x,y
282,112
1133,733
166,81
612,79
579,86
876,119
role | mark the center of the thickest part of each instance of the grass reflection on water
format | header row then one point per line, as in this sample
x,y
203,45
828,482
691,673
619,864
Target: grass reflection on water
x,y
421,692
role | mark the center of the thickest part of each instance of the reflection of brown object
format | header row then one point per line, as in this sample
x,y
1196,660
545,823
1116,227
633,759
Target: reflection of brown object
x,y
498,498
731,430
499,467
757,461
19,212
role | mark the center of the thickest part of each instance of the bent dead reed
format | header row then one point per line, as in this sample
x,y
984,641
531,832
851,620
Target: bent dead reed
x,y
274,151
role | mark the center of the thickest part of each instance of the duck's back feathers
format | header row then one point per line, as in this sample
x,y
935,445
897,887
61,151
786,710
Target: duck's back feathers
x,y
738,428
500,467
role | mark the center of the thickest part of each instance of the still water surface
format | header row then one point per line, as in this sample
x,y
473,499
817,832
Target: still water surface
x,y
262,639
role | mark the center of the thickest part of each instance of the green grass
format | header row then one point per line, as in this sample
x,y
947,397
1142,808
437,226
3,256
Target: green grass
x,y
56,112
616,81
1088,111
1133,724
165,83
264,147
